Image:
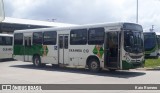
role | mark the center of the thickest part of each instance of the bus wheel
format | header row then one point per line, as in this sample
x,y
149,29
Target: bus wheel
x,y
94,65
37,61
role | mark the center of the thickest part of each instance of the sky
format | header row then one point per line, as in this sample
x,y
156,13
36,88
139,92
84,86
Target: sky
x,y
86,11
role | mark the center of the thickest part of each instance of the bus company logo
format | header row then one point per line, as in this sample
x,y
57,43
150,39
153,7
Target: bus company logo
x,y
75,50
7,49
98,50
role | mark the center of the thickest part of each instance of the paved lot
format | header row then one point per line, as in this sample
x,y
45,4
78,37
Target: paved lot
x,y
17,72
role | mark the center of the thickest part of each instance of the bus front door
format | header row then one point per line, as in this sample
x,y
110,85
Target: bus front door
x,y
112,53
63,55
27,48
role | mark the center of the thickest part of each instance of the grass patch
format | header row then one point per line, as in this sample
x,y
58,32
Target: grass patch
x,y
152,62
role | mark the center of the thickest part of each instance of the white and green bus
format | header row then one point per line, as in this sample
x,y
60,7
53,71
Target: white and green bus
x,y
151,44
110,46
6,48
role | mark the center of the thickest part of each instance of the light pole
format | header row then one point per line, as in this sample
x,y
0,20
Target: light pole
x,y
137,13
2,15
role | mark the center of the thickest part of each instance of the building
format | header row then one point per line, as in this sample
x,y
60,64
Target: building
x,y
11,24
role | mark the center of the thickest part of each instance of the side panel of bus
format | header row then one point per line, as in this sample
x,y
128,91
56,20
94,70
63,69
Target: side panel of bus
x,y
49,47
68,55
86,44
77,44
74,50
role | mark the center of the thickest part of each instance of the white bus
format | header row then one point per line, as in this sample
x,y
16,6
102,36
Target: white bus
x,y
110,46
6,48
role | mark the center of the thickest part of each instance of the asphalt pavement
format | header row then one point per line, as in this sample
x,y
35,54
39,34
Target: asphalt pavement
x,y
17,72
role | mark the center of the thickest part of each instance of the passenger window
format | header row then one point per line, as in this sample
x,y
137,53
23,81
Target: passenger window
x,y
2,41
78,37
18,39
37,38
50,38
61,42
96,36
8,40
66,42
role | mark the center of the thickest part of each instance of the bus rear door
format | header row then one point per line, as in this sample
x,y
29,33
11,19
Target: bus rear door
x,y
27,48
63,55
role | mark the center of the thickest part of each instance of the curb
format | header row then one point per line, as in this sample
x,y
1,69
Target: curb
x,y
146,68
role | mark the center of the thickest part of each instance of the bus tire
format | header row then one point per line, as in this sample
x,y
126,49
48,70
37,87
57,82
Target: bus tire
x,y
94,65
37,61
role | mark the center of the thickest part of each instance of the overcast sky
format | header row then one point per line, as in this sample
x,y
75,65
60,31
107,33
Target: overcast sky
x,y
86,11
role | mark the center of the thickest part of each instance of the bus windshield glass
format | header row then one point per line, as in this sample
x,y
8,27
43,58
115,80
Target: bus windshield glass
x,y
149,41
133,41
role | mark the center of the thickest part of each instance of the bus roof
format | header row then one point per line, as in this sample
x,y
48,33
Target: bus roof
x,y
120,24
6,35
157,33
35,22
149,32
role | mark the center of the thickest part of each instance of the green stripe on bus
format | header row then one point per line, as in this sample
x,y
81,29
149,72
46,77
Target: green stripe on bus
x,y
128,65
34,49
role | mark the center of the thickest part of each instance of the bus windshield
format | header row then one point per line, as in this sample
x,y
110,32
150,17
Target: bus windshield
x,y
133,41
149,41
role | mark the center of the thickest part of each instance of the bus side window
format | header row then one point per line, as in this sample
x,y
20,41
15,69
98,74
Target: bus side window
x,y
66,42
61,42
96,36
37,38
27,42
8,40
78,37
1,41
18,39
50,38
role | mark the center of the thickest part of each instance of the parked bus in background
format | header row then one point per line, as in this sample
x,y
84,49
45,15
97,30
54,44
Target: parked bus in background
x,y
151,44
6,48
112,46
158,41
